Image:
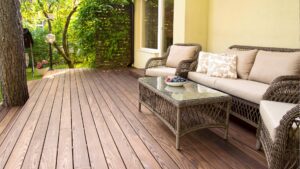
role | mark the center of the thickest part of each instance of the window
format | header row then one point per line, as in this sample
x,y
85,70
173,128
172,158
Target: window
x,y
157,19
150,24
168,24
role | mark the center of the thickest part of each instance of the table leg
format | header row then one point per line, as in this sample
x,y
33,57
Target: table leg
x,y
178,129
140,107
227,120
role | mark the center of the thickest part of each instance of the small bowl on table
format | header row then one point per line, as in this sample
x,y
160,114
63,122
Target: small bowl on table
x,y
175,81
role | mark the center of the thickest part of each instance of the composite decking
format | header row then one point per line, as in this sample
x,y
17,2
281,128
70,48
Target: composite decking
x,y
89,119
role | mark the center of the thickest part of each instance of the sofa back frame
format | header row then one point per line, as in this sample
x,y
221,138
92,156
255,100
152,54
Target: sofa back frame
x,y
273,49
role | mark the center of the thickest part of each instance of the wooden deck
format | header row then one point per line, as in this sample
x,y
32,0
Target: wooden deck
x,y
89,119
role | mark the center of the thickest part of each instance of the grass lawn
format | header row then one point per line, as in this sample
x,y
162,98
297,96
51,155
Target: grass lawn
x,y
29,75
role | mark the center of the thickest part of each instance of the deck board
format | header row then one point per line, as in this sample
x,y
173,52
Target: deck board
x,y
158,133
96,155
35,148
86,118
80,152
24,133
169,143
237,135
65,144
131,111
122,116
48,156
111,151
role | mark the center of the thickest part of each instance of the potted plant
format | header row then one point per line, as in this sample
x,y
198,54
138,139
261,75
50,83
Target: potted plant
x,y
42,67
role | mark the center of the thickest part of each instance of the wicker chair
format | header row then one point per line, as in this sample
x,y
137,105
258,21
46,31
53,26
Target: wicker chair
x,y
183,68
281,145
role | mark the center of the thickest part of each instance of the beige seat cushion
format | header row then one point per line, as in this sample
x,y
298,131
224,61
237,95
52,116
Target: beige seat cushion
x,y
270,65
160,71
245,89
248,90
179,53
203,79
245,61
271,114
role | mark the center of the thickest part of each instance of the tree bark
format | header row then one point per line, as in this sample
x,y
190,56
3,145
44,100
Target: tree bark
x,y
12,57
64,51
65,33
61,51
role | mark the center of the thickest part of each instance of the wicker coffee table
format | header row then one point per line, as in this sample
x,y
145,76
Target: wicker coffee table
x,y
185,109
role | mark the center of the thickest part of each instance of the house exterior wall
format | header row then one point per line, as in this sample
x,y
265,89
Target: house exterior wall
x,y
218,24
196,22
190,26
179,21
274,23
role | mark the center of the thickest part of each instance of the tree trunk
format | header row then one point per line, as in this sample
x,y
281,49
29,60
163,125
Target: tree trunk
x,y
12,59
70,64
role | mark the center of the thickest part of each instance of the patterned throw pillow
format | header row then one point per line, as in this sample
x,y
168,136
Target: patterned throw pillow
x,y
203,62
222,66
245,61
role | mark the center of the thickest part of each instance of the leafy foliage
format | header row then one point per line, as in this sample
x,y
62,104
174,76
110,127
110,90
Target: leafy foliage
x,y
34,19
104,31
86,28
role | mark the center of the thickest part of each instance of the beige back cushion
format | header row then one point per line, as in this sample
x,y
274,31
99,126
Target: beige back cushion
x,y
179,53
270,65
245,61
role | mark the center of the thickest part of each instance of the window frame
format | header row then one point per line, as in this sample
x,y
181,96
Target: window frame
x,y
160,27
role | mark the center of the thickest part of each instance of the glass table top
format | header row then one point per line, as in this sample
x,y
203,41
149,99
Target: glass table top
x,y
189,91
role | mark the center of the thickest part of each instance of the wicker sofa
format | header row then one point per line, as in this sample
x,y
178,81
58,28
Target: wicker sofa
x,y
247,94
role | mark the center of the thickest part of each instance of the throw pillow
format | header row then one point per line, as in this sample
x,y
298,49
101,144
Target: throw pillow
x,y
180,53
245,61
203,62
270,65
222,66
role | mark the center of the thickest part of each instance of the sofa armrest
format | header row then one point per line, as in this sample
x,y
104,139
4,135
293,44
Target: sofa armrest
x,y
287,139
284,89
290,120
154,62
194,65
184,67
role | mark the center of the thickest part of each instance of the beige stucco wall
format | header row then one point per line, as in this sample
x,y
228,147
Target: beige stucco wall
x,y
190,21
217,24
196,22
179,21
274,23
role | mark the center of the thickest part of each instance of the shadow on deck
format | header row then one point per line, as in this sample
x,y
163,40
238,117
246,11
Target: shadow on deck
x,y
89,119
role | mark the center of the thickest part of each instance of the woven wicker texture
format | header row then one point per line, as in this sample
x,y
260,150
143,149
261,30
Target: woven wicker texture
x,y
283,89
184,66
211,112
283,152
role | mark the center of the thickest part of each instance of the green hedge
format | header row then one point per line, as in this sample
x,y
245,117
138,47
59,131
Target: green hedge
x,y
103,29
